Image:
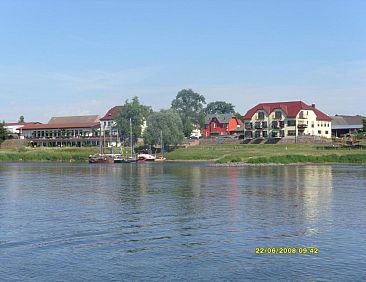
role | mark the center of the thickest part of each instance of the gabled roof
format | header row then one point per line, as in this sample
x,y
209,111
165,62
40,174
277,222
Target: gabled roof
x,y
112,114
61,125
347,122
74,119
291,109
222,118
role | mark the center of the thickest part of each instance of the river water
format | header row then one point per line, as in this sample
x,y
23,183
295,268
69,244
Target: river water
x,y
181,221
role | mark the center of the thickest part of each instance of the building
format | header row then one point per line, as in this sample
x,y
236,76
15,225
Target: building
x,y
65,131
108,122
346,125
286,119
221,124
15,128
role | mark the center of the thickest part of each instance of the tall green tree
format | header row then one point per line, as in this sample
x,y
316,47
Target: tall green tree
x,y
138,113
21,119
189,106
169,123
219,107
3,132
364,125
239,116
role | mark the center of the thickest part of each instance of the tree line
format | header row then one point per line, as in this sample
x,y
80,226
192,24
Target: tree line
x,y
186,113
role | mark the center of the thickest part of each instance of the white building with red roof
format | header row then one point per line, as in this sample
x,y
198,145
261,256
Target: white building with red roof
x,y
108,122
15,129
286,119
65,131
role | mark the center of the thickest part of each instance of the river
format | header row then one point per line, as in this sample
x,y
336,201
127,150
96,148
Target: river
x,y
181,221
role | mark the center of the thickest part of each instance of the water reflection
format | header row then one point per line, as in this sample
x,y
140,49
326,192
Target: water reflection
x,y
193,219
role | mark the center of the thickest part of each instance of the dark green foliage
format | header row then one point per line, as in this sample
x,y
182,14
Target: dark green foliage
x,y
3,132
189,106
219,107
239,116
21,119
135,111
169,123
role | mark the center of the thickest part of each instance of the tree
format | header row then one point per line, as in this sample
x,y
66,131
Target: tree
x,y
189,106
219,107
3,132
21,119
169,123
364,125
239,116
135,111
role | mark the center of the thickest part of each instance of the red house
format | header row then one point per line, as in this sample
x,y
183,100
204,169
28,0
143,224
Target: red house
x,y
221,124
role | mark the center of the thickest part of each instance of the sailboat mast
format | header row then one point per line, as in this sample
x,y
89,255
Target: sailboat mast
x,y
131,136
161,142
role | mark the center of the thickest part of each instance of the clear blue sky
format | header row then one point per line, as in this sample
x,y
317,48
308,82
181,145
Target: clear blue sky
x,y
82,57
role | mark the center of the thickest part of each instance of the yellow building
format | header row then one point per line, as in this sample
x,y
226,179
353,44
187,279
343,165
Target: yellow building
x,y
286,119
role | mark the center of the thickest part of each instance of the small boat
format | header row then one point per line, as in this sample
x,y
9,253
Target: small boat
x,y
160,158
146,157
101,159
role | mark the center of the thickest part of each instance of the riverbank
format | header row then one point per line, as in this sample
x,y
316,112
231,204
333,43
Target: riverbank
x,y
269,154
48,154
236,155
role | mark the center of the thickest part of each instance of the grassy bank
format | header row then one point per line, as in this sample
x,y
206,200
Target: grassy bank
x,y
47,154
291,153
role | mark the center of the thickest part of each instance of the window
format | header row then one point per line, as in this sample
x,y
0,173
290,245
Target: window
x,y
261,115
312,124
274,124
257,124
291,122
265,134
257,134
282,124
278,114
319,132
326,132
264,124
214,125
226,125
291,133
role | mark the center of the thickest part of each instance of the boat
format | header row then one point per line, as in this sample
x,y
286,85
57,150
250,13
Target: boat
x,y
146,157
161,158
101,159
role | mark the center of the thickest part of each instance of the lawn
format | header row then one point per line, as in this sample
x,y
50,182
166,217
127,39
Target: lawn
x,y
283,153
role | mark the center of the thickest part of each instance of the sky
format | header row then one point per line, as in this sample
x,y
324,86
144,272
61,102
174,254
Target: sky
x,y
83,57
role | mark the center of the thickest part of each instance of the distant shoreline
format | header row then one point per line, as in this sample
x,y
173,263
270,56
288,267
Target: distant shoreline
x,y
215,155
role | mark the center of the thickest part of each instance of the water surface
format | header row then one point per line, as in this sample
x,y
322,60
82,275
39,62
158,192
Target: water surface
x,y
180,221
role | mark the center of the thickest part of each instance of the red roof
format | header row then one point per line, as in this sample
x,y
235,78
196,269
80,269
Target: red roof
x,y
112,113
21,123
61,125
291,109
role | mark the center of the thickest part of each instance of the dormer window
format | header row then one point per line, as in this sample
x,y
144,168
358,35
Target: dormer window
x,y
278,114
261,115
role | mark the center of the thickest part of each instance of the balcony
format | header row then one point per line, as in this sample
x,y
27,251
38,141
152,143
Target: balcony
x,y
248,126
302,126
258,125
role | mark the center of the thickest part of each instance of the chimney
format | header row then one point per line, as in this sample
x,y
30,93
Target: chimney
x,y
313,106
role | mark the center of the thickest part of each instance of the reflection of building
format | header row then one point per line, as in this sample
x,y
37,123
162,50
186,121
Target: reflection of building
x,y
221,124
65,131
286,119
346,125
